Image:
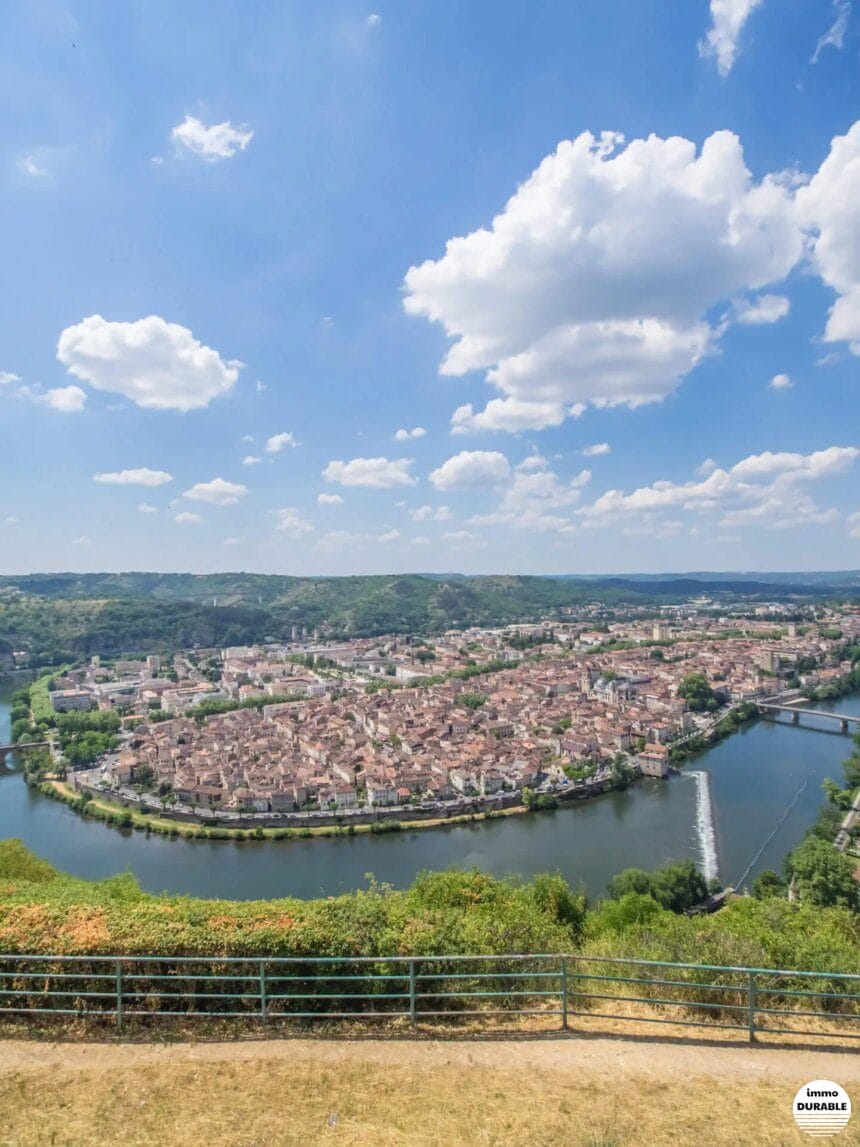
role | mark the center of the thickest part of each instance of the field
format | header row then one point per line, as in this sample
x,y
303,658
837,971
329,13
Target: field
x,y
593,1092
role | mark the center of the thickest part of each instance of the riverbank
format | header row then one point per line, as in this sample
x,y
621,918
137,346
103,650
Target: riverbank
x,y
119,815
119,810
753,776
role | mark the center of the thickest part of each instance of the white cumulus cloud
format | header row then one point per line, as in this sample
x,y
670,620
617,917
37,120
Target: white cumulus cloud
x,y
406,435
763,489
830,205
471,469
65,399
157,364
251,460
593,284
537,501
142,476
329,500
727,21
279,442
217,141
147,508
218,492
380,473
760,310
780,382
292,523
597,449
186,517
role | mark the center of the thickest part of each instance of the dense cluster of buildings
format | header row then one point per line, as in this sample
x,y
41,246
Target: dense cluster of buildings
x,y
381,724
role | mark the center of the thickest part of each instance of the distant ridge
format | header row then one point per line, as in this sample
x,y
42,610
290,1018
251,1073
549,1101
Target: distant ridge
x,y
63,616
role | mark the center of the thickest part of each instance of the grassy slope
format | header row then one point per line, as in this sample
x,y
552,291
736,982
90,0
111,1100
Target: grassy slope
x,y
45,910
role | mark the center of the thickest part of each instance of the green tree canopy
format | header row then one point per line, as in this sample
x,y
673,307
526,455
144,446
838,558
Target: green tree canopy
x,y
696,691
823,876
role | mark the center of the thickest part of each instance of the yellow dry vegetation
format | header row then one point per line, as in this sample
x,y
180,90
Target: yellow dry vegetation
x,y
600,1093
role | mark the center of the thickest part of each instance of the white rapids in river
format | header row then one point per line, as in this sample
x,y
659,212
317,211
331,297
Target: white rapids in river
x,y
705,827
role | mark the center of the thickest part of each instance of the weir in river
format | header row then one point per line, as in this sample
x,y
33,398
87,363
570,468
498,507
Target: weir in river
x,y
753,776
706,830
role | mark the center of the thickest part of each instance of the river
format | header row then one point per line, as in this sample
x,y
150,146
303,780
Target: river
x,y
718,813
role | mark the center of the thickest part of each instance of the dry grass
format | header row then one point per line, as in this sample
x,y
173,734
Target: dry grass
x,y
299,1102
601,1094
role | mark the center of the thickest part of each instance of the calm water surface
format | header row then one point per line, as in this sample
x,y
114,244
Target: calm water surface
x,y
753,776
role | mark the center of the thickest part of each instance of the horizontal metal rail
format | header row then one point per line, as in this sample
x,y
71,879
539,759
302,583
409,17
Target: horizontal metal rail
x,y
274,988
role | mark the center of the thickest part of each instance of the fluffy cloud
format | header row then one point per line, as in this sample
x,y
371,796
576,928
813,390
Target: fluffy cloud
x,y
65,399
279,442
512,415
329,500
763,309
291,521
218,492
140,477
536,501
425,513
157,364
406,435
593,283
470,469
251,460
798,467
380,473
780,382
147,508
6,376
597,449
830,205
834,37
763,488
185,517
218,141
534,461
727,20
854,525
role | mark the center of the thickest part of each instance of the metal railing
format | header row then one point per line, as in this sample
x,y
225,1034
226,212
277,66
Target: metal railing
x,y
268,989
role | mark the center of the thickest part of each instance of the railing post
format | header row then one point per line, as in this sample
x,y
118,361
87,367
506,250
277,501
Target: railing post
x,y
119,995
412,991
264,1003
752,1000
564,997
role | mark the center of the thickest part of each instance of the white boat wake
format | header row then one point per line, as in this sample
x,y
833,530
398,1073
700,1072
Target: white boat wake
x,y
705,828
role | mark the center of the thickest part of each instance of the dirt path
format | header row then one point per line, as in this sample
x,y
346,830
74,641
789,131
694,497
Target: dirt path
x,y
582,1091
648,1057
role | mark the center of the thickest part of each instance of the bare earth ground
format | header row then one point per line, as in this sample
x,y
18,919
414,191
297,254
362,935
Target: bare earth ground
x,y
601,1091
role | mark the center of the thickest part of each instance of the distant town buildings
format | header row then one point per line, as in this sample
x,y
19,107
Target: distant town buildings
x,y
473,715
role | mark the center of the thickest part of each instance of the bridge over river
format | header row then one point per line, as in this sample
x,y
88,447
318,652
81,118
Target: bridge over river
x,y
22,747
771,707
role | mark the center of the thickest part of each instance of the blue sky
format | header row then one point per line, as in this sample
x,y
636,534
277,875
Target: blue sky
x,y
284,232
